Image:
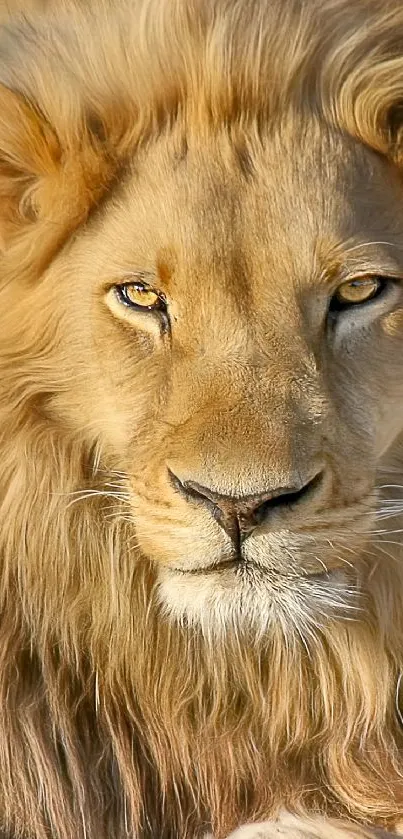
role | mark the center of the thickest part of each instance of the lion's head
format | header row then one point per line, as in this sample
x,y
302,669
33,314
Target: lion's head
x,y
231,339
201,349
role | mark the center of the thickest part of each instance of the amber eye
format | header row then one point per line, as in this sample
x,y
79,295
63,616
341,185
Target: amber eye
x,y
357,291
140,296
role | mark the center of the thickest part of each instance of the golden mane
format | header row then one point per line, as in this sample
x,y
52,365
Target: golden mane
x,y
100,735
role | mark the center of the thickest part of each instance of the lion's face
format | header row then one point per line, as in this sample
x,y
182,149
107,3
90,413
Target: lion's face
x,y
245,400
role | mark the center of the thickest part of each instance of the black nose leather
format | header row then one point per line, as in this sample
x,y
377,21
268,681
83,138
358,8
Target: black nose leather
x,y
240,516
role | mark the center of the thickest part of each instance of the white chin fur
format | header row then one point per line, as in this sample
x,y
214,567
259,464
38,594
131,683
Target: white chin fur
x,y
255,599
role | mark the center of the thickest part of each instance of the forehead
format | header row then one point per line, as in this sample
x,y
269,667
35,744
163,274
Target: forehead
x,y
280,206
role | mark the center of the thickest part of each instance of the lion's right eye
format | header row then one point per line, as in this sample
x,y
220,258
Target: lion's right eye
x,y
140,296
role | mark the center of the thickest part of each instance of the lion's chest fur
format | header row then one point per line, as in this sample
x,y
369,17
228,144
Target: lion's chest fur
x,y
161,732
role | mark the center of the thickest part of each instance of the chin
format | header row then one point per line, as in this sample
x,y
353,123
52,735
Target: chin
x,y
249,598
276,581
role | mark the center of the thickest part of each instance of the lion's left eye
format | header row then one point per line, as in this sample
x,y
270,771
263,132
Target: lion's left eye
x,y
139,296
357,291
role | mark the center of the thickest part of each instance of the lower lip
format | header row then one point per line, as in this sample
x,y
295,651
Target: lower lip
x,y
238,566
231,565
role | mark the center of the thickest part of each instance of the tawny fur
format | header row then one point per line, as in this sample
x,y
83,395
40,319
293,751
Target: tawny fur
x,y
116,721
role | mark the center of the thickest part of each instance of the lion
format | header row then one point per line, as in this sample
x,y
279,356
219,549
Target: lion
x,y
201,402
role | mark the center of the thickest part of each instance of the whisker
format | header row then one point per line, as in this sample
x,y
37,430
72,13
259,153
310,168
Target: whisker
x,y
83,495
321,562
345,561
389,515
387,542
370,244
385,552
380,532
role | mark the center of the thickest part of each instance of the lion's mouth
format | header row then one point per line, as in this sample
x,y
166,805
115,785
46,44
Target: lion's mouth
x,y
236,564
242,568
245,567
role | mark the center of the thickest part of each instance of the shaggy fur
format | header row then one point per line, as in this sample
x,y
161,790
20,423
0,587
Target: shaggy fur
x,y
131,705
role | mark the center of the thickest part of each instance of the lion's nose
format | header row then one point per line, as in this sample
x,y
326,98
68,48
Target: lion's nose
x,y
239,516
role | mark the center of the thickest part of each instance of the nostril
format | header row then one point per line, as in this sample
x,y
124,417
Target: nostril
x,y
191,489
251,514
287,497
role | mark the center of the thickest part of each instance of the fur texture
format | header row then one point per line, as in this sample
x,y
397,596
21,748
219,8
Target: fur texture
x,y
242,156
